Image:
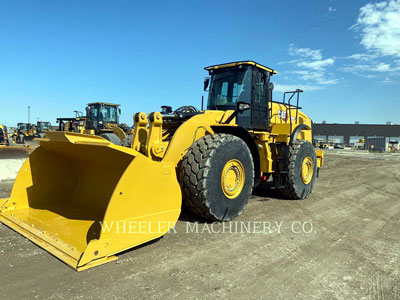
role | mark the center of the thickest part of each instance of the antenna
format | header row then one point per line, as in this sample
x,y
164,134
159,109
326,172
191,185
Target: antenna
x,y
29,113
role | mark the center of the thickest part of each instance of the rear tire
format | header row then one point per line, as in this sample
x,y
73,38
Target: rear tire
x,y
203,177
113,138
298,184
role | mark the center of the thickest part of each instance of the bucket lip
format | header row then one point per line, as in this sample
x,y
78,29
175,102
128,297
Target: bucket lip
x,y
68,257
71,258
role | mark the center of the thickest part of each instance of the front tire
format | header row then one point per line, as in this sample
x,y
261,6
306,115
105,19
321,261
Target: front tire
x,y
217,176
302,171
128,141
113,138
20,139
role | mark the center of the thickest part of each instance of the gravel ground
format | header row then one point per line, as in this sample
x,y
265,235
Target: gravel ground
x,y
341,243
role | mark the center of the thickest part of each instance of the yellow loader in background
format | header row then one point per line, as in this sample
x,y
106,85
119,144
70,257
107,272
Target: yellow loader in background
x,y
84,199
24,131
101,119
42,127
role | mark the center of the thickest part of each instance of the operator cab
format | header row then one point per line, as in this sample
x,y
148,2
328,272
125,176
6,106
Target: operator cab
x,y
241,82
43,126
24,126
98,114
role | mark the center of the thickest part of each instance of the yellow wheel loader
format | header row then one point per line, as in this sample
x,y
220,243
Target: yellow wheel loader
x,y
77,124
101,119
42,127
24,132
85,199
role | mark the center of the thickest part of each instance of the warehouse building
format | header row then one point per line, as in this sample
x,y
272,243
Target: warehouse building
x,y
349,134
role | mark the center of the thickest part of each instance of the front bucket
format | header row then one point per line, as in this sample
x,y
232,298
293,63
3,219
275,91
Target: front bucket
x,y
84,199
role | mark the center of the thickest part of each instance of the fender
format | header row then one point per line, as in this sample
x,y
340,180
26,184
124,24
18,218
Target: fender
x,y
296,131
247,138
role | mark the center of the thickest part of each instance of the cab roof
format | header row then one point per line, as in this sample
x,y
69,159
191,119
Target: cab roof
x,y
103,103
237,63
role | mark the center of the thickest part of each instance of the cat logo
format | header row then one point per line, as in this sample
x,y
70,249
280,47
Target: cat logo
x,y
282,114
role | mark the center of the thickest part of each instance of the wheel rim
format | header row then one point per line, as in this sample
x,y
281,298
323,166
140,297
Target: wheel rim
x,y
232,178
307,170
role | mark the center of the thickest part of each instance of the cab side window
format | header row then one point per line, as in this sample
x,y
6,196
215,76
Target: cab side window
x,y
260,87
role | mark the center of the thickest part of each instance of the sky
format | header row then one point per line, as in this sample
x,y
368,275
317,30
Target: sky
x,y
57,56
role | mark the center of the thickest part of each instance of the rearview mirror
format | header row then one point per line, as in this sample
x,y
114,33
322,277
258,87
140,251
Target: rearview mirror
x,y
242,106
206,82
119,111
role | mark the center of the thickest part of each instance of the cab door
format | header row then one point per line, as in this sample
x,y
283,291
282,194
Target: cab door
x,y
259,105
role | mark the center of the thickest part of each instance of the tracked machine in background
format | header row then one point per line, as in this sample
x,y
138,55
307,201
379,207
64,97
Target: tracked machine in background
x,y
84,199
101,119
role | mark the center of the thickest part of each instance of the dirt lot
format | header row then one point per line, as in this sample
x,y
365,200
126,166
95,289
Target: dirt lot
x,y
341,243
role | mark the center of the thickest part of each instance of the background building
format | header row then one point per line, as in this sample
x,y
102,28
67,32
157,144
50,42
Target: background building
x,y
349,134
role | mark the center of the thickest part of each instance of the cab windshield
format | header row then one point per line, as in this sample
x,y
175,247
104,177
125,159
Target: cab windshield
x,y
23,126
44,126
228,86
107,114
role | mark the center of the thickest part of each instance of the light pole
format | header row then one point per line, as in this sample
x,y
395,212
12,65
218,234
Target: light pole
x,y
29,113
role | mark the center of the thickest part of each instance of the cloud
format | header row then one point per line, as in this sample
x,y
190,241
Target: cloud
x,y
379,24
305,52
366,70
331,9
382,67
372,69
311,69
388,81
317,64
292,87
317,76
379,28
362,56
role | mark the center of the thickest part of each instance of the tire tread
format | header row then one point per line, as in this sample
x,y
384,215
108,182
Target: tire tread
x,y
290,190
194,170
